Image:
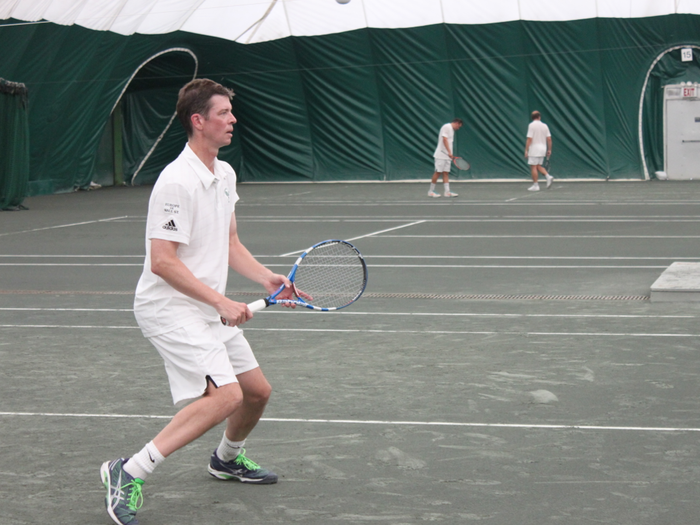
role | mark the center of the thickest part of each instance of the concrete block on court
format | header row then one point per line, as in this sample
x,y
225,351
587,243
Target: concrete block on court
x,y
678,282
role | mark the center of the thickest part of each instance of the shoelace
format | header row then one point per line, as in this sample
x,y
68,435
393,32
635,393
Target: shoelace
x,y
247,463
135,494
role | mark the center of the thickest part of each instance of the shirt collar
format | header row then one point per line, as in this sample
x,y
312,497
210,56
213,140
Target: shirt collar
x,y
206,177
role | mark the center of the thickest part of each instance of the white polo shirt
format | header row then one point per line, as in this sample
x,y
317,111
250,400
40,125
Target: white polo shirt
x,y
538,131
449,132
191,206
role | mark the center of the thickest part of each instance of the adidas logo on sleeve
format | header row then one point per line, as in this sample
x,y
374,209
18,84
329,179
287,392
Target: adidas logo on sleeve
x,y
170,225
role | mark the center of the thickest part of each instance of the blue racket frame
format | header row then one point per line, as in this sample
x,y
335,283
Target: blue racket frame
x,y
261,304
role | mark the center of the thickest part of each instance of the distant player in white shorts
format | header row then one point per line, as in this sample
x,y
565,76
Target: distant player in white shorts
x,y
443,158
538,146
191,240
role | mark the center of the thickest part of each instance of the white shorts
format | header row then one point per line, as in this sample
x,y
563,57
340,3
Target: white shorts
x,y
443,165
535,161
199,352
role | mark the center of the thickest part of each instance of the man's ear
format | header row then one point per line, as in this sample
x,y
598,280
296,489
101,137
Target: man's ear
x,y
197,121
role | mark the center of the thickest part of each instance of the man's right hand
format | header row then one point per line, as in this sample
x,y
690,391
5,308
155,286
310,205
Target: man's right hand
x,y
234,313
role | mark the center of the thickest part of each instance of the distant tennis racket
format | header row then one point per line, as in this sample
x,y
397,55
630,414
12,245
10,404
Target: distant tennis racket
x,y
545,164
461,163
328,276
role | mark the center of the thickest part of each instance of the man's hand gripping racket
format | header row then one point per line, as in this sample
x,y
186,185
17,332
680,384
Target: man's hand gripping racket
x,y
328,276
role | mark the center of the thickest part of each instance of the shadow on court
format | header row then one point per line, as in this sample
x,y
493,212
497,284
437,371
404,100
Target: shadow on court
x,y
505,365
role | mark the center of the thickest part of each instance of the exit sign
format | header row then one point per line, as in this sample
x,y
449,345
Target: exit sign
x,y
689,92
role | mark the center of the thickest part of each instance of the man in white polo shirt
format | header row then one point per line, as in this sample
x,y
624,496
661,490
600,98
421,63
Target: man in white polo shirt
x,y
191,240
443,158
538,145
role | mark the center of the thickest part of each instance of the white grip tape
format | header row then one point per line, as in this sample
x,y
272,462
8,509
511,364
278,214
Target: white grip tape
x,y
258,305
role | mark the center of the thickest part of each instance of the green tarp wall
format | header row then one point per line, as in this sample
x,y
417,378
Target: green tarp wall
x,y
14,144
361,105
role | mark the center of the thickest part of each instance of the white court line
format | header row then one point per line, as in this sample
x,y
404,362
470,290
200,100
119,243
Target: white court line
x,y
373,314
547,257
532,266
72,264
558,220
64,226
387,230
481,216
551,267
323,219
483,314
510,257
372,331
460,202
81,327
539,237
66,309
75,256
459,332
376,422
363,236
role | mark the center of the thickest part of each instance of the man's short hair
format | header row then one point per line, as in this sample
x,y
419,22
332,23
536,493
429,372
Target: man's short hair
x,y
458,121
535,115
195,98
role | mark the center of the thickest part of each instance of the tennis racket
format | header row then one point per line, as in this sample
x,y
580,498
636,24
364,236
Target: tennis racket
x,y
545,164
461,163
328,276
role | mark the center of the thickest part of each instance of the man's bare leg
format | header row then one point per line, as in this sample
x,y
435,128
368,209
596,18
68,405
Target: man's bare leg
x,y
197,418
256,393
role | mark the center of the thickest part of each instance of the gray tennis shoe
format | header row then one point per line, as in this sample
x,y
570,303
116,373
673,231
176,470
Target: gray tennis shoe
x,y
241,469
124,496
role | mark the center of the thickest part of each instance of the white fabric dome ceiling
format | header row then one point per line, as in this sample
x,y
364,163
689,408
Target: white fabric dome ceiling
x,y
249,21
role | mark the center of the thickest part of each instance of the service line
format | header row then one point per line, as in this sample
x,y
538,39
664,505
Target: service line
x,y
363,236
376,422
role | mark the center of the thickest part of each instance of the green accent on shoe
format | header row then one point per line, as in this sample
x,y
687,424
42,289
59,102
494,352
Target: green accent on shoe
x,y
136,495
245,462
124,492
241,469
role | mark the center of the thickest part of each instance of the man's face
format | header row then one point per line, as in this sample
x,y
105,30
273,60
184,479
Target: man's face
x,y
456,125
218,124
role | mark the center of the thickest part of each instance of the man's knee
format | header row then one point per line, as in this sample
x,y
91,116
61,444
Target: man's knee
x,y
229,398
259,395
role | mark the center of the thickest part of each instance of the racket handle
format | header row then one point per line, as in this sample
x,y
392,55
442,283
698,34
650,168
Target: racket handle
x,y
258,305
255,306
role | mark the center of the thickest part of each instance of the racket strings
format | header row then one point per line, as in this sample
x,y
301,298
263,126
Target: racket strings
x,y
333,274
461,163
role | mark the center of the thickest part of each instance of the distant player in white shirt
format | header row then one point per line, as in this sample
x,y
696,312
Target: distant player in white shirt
x,y
191,241
444,153
538,146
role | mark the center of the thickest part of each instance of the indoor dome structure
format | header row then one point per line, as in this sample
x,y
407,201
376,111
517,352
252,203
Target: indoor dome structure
x,y
349,91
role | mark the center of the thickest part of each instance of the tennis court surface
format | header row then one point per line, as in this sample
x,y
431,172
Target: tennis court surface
x,y
504,366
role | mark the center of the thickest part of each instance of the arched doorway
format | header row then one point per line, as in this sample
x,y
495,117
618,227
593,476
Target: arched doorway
x,y
667,68
139,138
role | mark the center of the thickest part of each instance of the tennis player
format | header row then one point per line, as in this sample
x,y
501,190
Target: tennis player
x,y
191,239
538,146
443,158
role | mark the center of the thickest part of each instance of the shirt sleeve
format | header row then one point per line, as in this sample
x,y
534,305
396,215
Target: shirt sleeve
x,y
170,214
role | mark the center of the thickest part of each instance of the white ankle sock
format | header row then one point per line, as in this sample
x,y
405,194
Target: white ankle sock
x,y
432,187
228,450
447,187
142,464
